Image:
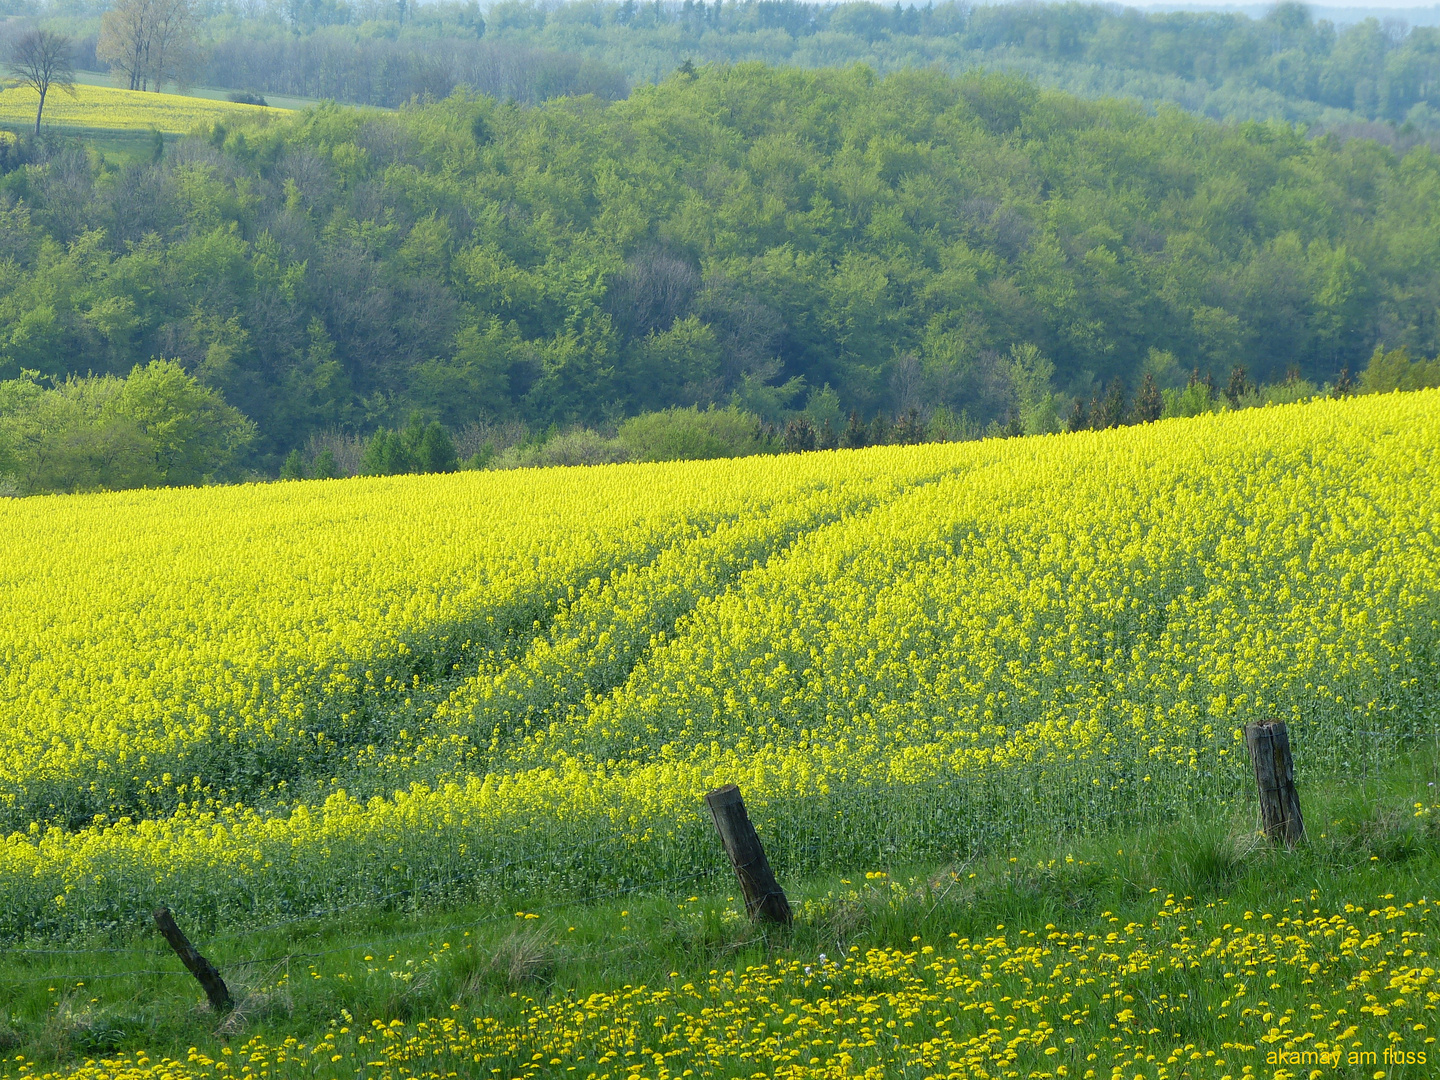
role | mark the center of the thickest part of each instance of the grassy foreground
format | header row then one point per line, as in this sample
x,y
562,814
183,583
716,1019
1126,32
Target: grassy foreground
x,y
1171,952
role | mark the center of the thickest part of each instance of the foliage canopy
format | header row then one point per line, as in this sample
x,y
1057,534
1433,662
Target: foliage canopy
x,y
744,235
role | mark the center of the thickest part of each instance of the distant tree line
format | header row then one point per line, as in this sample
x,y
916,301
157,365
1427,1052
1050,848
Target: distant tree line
x,y
159,44
339,65
159,426
1286,65
678,434
963,254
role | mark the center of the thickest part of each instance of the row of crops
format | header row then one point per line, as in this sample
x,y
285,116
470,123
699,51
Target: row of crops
x,y
287,698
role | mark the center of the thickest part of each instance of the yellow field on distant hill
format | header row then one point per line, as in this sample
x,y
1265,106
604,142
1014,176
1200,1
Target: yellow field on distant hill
x,y
108,107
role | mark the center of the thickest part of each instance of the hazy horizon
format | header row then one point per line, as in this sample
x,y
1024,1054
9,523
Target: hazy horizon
x,y
1320,10
1413,12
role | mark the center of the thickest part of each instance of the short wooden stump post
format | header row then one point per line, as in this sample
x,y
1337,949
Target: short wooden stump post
x,y
204,971
1280,817
764,899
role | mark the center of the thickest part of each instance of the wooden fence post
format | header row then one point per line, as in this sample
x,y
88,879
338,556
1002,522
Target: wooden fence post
x,y
764,899
202,969
1280,817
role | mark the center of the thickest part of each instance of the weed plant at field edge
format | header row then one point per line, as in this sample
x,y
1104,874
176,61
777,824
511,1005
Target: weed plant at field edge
x,y
293,981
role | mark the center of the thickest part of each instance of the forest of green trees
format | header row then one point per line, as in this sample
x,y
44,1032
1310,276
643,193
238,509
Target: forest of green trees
x,y
777,239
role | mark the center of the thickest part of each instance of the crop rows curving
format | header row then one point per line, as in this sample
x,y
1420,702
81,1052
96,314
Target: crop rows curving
x,y
281,698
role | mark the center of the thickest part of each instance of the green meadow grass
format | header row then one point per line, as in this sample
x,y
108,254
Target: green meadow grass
x,y
295,978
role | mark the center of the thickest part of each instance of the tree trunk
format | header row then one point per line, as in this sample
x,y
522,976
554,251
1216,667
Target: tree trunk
x,y
40,110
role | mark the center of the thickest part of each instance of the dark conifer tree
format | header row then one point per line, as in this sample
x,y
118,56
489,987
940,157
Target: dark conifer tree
x,y
827,439
1238,386
855,434
909,429
1149,404
1111,410
799,436
880,434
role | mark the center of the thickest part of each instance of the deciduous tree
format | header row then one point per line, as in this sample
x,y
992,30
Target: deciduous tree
x,y
41,60
149,42
158,426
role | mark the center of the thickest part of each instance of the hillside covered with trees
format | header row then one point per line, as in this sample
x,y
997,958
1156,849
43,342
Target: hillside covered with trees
x,y
776,239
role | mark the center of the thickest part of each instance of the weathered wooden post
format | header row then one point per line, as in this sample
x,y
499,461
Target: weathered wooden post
x,y
202,969
764,899
1280,817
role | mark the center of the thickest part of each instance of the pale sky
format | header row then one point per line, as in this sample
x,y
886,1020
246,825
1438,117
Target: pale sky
x,y
1319,9
1413,12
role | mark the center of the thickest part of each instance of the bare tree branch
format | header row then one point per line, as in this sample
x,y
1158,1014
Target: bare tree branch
x,y
41,59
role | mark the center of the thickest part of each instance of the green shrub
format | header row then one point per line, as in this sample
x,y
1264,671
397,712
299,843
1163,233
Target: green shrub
x,y
1195,399
158,425
416,448
1394,370
687,434
293,467
326,466
579,447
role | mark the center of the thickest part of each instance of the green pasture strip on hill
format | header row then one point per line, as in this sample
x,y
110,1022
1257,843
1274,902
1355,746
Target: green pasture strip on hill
x,y
117,146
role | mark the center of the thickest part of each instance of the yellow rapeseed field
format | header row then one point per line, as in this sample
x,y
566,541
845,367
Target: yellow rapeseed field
x,y
109,107
289,697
